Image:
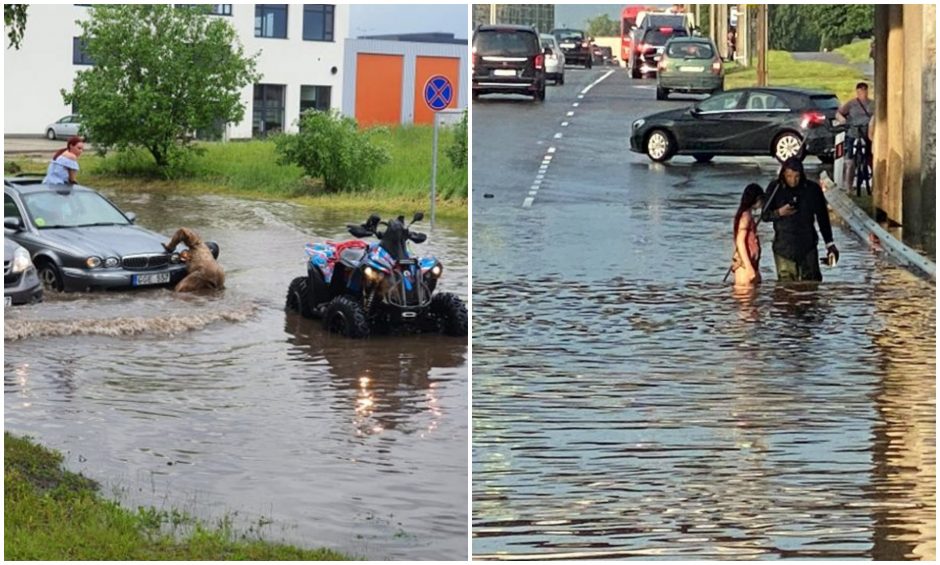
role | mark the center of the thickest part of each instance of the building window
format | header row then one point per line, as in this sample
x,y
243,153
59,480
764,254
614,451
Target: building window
x,y
222,9
271,20
268,110
318,22
314,98
79,57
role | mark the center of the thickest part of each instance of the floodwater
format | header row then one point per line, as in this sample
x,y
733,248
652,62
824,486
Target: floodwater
x,y
226,406
627,404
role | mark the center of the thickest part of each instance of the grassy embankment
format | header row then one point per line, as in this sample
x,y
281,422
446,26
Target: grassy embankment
x,y
52,514
249,169
784,70
856,52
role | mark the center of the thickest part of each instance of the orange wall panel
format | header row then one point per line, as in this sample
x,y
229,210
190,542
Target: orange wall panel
x,y
425,68
378,88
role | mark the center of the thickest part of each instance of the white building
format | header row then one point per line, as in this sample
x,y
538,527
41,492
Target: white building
x,y
300,62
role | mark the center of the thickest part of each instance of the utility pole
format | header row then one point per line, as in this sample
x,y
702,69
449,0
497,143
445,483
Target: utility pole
x,y
761,45
493,14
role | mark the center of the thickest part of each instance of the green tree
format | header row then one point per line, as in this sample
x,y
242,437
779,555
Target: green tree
x,y
603,26
331,147
457,152
791,28
160,73
838,24
14,18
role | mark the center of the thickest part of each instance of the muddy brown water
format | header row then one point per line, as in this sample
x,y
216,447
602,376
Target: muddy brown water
x,y
225,406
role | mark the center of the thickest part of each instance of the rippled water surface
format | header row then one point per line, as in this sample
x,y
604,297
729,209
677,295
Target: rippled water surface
x,y
227,406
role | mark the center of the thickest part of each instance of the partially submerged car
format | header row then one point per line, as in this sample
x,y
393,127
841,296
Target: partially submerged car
x,y
80,240
20,283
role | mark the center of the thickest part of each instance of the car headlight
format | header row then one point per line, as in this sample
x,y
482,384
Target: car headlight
x,y
93,262
436,270
111,262
175,258
639,123
21,260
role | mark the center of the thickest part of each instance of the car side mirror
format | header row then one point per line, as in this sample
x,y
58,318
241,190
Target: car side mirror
x,y
695,110
12,223
131,217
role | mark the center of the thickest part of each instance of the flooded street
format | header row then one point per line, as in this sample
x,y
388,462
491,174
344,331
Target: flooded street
x,y
226,406
626,403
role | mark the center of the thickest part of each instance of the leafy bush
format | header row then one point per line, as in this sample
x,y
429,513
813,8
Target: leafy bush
x,y
457,153
331,147
11,167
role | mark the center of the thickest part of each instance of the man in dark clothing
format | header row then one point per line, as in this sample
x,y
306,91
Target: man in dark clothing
x,y
797,204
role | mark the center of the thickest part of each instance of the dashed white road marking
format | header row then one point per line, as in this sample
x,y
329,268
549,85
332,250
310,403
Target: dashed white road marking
x,y
576,104
595,83
527,203
569,114
580,96
551,149
564,124
558,135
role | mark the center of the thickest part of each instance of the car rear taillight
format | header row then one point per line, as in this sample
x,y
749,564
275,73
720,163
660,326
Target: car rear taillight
x,y
539,61
812,119
716,67
666,30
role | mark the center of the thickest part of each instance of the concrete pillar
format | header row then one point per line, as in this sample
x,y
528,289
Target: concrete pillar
x,y
928,177
880,94
912,149
744,29
887,193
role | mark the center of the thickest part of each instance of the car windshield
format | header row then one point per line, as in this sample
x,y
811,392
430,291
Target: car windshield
x,y
674,21
569,35
658,38
828,102
53,209
690,50
506,42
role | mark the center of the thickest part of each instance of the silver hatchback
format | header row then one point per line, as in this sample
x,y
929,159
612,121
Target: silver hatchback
x,y
64,128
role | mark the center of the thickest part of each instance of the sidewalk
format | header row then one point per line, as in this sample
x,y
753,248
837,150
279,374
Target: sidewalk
x,y
23,146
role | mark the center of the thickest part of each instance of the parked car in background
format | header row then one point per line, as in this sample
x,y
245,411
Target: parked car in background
x,y
602,55
79,240
778,121
508,59
689,64
20,283
554,59
64,128
648,46
576,46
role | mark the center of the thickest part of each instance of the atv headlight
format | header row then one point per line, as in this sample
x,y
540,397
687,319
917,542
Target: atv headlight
x,y
436,270
371,274
93,262
21,260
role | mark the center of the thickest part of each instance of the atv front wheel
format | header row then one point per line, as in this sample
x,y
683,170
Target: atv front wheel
x,y
451,313
298,297
346,317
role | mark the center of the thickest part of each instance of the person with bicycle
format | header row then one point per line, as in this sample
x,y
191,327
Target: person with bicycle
x,y
856,113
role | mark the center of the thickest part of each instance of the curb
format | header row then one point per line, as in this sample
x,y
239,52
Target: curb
x,y
864,227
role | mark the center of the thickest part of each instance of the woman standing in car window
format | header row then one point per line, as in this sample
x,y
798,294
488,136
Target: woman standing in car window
x,y
64,163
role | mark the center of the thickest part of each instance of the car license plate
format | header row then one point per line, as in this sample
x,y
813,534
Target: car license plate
x,y
567,45
154,278
7,301
691,69
504,72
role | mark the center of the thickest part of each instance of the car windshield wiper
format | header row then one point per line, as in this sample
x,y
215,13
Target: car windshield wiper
x,y
54,226
99,224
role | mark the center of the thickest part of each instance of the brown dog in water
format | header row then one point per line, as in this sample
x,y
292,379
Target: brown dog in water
x,y
203,272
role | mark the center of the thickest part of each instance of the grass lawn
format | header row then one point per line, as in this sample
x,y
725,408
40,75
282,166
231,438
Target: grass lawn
x,y
784,70
856,52
52,514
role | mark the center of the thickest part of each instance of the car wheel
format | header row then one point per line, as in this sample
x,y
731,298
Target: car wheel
x,y
50,134
346,317
661,93
786,145
476,95
659,146
540,94
703,157
589,64
49,275
634,72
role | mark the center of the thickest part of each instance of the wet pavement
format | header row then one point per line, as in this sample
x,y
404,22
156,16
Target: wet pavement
x,y
626,403
225,406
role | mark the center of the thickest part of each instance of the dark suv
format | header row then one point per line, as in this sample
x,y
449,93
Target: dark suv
x,y
648,45
575,46
508,59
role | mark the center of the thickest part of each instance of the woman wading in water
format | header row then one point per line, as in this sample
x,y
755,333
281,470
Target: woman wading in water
x,y
746,262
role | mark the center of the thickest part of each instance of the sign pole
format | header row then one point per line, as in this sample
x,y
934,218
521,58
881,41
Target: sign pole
x,y
434,172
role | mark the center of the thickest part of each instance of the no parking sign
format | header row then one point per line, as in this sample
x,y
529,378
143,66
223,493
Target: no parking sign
x,y
438,92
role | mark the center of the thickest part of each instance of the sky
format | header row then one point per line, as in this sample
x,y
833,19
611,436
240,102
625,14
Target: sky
x,y
377,19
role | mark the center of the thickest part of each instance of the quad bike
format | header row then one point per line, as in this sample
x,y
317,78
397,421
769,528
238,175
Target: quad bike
x,y
359,288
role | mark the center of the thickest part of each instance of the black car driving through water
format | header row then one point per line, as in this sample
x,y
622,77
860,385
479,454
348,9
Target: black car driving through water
x,y
778,121
575,46
79,240
508,59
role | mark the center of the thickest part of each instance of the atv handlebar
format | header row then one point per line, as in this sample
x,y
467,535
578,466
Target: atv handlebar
x,y
371,225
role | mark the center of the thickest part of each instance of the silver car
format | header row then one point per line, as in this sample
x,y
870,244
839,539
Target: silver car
x,y
64,128
554,61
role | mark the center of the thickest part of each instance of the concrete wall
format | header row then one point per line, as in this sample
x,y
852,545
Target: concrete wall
x,y
410,52
928,177
34,74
